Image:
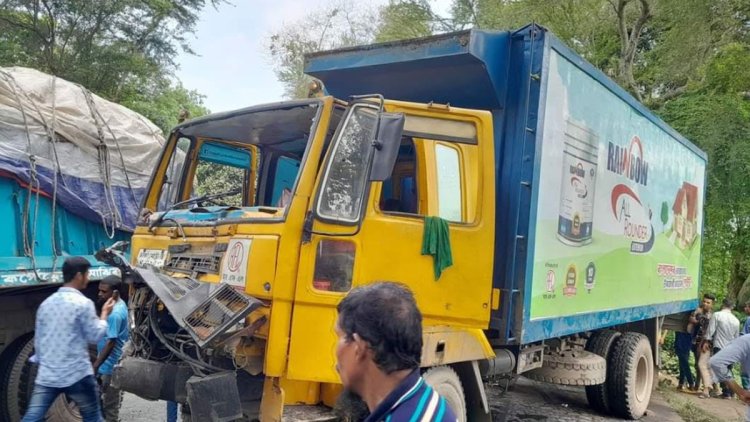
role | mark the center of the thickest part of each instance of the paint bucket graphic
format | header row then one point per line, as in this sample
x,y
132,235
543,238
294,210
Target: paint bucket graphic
x,y
575,223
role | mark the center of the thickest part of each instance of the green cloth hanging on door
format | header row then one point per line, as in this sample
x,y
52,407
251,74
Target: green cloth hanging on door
x,y
436,241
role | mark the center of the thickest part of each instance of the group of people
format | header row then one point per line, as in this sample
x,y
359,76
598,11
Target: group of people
x,y
378,353
713,338
66,324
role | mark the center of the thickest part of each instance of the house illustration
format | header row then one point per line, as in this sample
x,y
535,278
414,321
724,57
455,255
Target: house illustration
x,y
685,210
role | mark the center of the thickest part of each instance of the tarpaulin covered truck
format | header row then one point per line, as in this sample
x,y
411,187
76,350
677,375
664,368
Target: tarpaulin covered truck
x,y
73,171
574,217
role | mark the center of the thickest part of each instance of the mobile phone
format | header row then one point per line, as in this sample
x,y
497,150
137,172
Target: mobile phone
x,y
116,295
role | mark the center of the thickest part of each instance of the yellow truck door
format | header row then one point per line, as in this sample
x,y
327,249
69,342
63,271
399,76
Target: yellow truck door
x,y
444,169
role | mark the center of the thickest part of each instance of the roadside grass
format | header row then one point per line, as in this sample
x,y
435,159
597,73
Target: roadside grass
x,y
685,408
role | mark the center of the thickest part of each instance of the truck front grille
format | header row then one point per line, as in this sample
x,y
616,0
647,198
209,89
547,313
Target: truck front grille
x,y
192,263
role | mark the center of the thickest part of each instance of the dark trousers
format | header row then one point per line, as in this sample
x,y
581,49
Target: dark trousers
x,y
726,392
686,374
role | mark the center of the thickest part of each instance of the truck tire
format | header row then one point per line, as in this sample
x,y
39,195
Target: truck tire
x,y
14,376
630,376
601,344
445,381
571,367
18,375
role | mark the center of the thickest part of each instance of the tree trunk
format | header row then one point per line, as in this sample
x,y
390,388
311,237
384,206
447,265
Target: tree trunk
x,y
629,38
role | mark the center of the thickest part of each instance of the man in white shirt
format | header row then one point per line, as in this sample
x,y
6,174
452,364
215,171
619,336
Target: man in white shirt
x,y
722,329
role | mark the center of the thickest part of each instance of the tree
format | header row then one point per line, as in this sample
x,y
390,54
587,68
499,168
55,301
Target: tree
x,y
340,24
630,36
123,50
402,19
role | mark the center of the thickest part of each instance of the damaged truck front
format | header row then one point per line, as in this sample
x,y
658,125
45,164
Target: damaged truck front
x,y
225,235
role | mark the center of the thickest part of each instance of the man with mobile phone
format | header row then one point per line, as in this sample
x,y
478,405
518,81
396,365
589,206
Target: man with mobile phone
x,y
109,348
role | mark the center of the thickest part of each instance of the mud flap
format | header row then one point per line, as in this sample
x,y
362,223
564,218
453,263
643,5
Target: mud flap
x,y
214,398
477,407
152,380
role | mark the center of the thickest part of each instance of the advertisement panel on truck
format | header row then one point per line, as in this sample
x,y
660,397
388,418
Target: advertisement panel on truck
x,y
620,202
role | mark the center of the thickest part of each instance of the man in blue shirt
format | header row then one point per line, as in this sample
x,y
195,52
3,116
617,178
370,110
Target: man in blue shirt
x,y
379,349
109,348
66,323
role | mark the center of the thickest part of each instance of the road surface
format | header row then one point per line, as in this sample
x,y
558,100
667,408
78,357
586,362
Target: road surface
x,y
527,401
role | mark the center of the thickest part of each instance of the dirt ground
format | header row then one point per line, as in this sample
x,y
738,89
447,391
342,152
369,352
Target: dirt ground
x,y
526,401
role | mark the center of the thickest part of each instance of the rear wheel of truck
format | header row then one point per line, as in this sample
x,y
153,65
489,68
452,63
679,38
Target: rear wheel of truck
x,y
17,374
445,381
630,376
600,343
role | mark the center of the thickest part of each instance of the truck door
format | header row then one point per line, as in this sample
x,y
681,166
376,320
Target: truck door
x,y
361,231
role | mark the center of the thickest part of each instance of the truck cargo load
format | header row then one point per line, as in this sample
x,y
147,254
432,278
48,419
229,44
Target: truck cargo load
x,y
73,171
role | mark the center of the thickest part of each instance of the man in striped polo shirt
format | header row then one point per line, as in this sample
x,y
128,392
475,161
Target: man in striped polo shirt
x,y
378,353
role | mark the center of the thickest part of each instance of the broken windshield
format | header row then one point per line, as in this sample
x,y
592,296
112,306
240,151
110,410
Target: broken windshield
x,y
256,152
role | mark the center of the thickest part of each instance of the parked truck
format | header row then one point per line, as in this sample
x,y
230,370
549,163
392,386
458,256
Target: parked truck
x,y
73,170
574,213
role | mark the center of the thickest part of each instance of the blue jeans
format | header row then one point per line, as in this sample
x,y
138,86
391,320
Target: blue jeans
x,y
171,411
84,393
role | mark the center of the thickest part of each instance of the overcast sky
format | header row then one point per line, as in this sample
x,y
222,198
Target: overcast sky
x,y
232,68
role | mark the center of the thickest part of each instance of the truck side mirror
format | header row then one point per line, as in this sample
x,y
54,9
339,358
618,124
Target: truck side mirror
x,y
386,145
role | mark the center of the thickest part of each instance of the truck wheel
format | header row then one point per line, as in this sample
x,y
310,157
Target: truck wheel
x,y
14,375
630,376
601,344
446,382
570,367
18,375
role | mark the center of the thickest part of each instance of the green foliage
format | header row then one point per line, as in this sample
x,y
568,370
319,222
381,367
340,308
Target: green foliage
x,y
339,24
720,125
213,178
123,50
405,19
163,101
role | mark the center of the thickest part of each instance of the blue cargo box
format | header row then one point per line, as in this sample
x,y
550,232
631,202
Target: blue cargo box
x,y
599,203
29,222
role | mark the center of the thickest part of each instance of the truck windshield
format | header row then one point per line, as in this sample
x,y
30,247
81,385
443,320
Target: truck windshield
x,y
253,155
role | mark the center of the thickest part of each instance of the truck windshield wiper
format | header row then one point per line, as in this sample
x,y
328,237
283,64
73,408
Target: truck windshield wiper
x,y
195,200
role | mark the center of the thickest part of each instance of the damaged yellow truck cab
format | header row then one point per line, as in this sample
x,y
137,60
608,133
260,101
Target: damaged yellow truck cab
x,y
292,205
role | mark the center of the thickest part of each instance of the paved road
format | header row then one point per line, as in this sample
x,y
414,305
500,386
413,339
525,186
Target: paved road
x,y
528,401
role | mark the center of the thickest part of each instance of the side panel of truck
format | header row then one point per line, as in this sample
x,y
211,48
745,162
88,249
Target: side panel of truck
x,y
616,219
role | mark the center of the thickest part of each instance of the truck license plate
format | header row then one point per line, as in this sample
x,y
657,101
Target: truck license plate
x,y
153,257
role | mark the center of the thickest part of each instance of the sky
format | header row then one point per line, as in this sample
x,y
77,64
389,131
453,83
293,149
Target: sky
x,y
231,67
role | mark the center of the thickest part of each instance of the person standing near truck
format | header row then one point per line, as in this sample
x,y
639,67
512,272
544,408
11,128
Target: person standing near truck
x,y
700,319
66,323
379,349
110,347
744,376
722,329
738,351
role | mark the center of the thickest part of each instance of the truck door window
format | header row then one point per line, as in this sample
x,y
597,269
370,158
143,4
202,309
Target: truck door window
x,y
334,265
399,192
343,186
170,186
450,196
222,168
